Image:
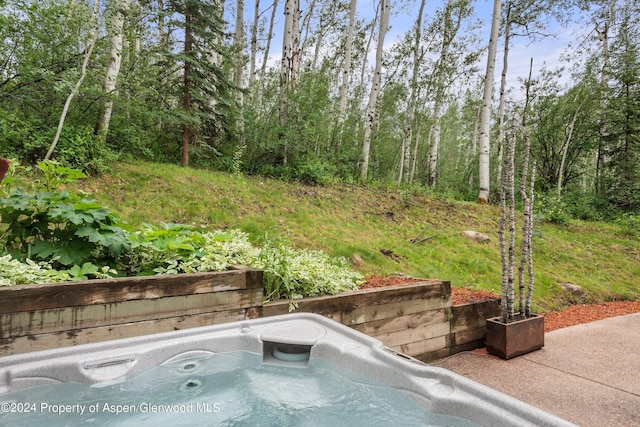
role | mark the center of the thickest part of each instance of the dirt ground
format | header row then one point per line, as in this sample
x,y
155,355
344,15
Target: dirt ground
x,y
573,315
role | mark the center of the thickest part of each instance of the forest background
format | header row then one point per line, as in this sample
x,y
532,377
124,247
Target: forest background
x,y
326,91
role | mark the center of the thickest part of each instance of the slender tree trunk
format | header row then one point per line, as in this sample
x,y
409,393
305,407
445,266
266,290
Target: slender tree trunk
x,y
305,27
503,86
239,68
474,143
267,49
485,117
407,137
285,65
254,44
525,226
415,155
289,65
76,88
295,46
603,36
447,38
565,147
366,53
385,10
346,67
186,102
113,66
319,42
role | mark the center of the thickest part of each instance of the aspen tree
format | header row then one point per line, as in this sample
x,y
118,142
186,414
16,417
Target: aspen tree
x,y
485,115
113,66
385,10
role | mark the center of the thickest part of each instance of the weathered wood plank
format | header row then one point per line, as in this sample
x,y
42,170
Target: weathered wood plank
x,y
401,323
68,294
474,315
368,313
418,334
105,333
424,346
90,316
468,335
350,301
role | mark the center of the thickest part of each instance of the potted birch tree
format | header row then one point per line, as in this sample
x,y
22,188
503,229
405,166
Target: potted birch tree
x,y
518,330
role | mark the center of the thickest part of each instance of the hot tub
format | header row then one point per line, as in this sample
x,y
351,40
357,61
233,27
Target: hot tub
x,y
296,369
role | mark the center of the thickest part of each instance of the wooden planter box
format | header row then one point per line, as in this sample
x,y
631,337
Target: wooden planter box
x,y
508,340
51,315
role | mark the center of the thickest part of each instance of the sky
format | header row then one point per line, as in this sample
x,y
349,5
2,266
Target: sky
x,y
545,52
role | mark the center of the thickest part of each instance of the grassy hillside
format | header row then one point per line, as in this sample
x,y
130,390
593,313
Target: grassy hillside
x,y
347,220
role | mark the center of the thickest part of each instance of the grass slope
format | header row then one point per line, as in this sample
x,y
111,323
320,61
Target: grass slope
x,y
344,220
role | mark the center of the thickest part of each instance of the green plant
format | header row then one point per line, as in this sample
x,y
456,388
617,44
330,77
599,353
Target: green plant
x,y
60,228
630,224
292,274
15,176
161,249
56,175
552,208
15,272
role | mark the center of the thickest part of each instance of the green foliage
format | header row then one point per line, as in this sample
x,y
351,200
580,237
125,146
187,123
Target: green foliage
x,y
630,224
552,208
14,177
293,274
314,171
56,175
14,272
60,228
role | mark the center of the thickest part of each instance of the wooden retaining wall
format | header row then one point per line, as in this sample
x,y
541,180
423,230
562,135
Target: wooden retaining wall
x,y
416,319
37,317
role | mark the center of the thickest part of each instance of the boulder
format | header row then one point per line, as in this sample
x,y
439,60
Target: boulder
x,y
572,288
475,236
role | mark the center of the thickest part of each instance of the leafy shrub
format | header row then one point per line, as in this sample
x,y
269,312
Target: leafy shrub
x,y
14,272
630,224
552,208
314,171
60,228
294,274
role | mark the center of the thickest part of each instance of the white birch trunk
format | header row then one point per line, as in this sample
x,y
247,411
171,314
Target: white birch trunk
x,y
474,143
503,86
295,46
254,44
239,69
385,9
485,116
366,53
214,55
346,67
76,88
565,147
415,156
267,48
407,137
447,38
113,66
285,65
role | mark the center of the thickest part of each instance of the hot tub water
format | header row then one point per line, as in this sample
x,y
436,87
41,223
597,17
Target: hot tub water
x,y
228,389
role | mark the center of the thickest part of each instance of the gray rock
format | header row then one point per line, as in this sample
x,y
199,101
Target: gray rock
x,y
475,236
572,288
